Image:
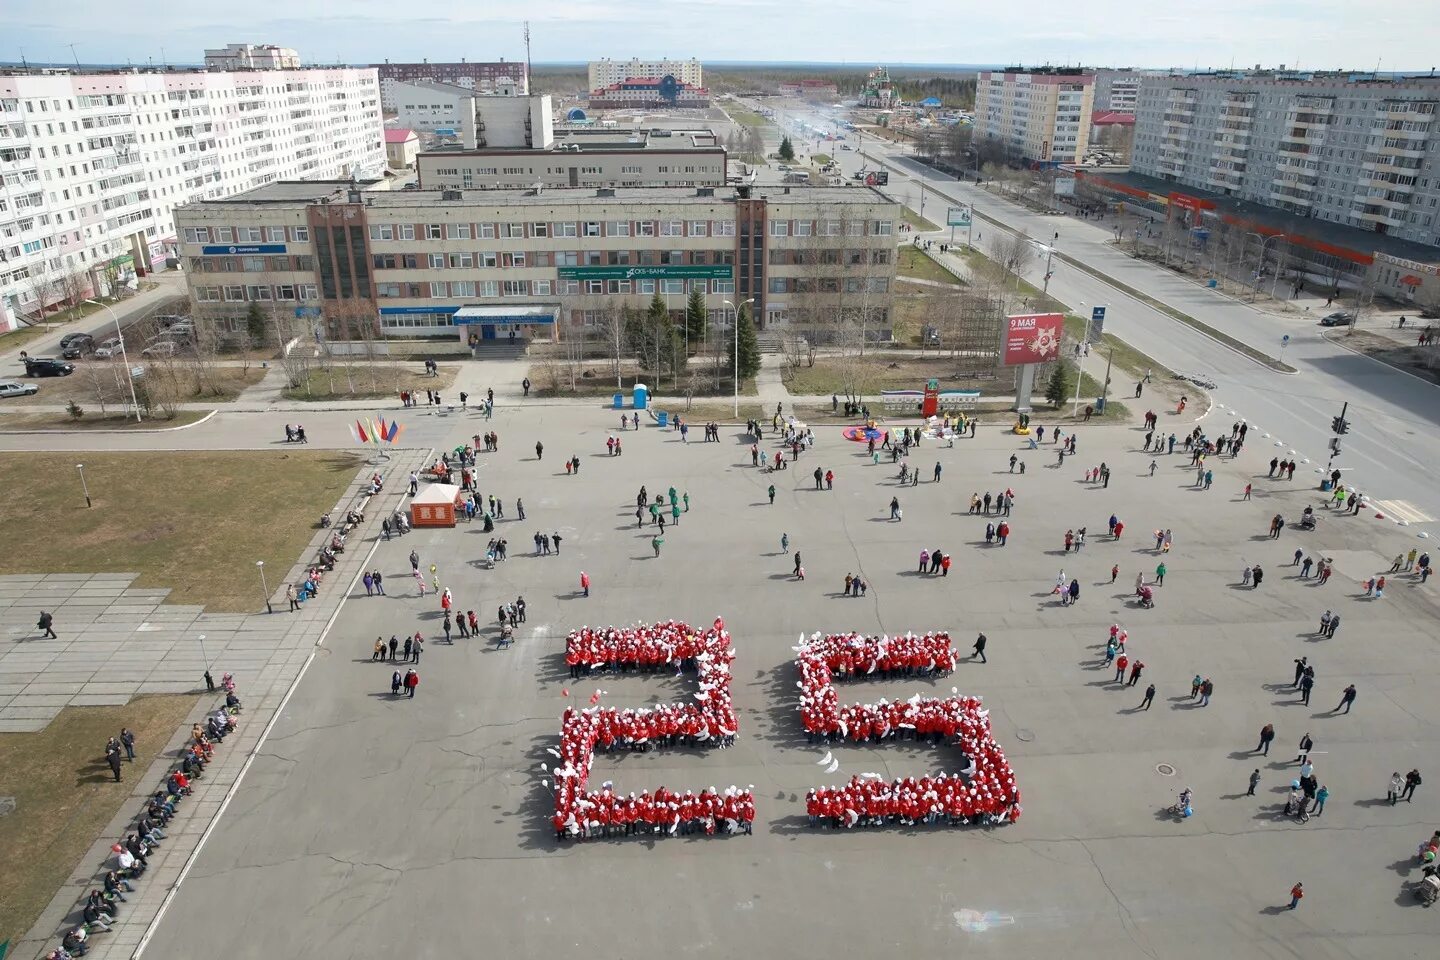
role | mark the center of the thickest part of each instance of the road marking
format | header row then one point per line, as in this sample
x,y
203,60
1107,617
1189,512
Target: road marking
x,y
1401,510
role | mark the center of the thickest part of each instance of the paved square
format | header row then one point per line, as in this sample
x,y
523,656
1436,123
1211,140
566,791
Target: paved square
x,y
371,825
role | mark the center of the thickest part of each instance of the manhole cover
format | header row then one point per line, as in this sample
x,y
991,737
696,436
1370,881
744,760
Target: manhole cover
x,y
7,806
1164,769
1023,734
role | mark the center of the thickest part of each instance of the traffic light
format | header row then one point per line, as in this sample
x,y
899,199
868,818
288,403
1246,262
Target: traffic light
x,y
1340,425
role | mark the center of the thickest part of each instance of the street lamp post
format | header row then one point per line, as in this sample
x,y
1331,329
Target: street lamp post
x,y
203,657
1260,264
83,487
735,313
1080,365
1049,255
124,356
264,587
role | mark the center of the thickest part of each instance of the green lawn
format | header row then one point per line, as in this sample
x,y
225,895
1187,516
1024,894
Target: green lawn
x,y
368,381
747,117
193,522
917,222
914,262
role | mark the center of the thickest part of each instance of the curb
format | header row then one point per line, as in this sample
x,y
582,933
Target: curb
x,y
115,433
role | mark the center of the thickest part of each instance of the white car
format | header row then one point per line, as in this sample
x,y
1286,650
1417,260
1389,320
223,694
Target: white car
x,y
108,348
14,388
164,348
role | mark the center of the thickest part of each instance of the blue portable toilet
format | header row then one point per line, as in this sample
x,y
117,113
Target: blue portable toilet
x,y
641,396
662,419
619,401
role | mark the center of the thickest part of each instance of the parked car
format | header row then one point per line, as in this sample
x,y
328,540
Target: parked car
x,y
74,345
108,348
170,319
48,367
14,388
1337,320
165,348
184,330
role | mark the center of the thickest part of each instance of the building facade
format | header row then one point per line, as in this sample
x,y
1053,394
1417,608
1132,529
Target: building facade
x,y
467,266
817,90
93,165
1039,117
649,92
603,73
879,92
474,120
592,167
1348,149
480,77
1117,91
241,57
402,146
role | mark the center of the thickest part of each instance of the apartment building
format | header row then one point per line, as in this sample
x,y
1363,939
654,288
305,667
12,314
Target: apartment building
x,y
604,73
479,77
1039,117
474,120
1351,149
240,57
465,266
584,158
93,165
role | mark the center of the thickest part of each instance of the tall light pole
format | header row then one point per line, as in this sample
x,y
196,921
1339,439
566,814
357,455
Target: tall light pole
x,y
203,657
735,313
1049,254
124,357
83,487
1080,365
1260,264
264,587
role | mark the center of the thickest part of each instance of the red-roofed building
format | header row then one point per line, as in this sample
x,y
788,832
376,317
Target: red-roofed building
x,y
663,91
401,148
1110,118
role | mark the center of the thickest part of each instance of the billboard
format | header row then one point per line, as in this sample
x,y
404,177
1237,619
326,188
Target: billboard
x,y
1097,325
957,217
1064,186
1032,338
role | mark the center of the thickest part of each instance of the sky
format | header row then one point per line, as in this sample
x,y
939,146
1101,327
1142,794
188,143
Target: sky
x,y
1315,34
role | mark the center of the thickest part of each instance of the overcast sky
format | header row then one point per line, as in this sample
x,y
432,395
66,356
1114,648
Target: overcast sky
x,y
1180,33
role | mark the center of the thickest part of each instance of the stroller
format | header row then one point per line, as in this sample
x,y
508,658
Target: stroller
x,y
1427,889
1147,597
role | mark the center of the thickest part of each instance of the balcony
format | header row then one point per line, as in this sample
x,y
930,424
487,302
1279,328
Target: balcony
x,y
1380,215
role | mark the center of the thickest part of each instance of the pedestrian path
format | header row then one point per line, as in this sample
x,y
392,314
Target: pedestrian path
x,y
118,641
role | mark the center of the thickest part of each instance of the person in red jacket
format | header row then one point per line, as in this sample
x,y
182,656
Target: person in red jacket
x,y
412,680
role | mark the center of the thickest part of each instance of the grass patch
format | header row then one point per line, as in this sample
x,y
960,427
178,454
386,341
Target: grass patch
x,y
879,372
552,379
368,381
702,411
193,522
916,221
94,421
65,796
914,262
182,381
747,118
820,159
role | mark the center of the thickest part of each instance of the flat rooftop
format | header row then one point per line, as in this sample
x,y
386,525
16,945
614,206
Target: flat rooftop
x,y
304,192
606,140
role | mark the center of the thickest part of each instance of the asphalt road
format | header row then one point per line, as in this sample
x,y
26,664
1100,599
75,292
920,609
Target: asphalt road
x,y
1392,444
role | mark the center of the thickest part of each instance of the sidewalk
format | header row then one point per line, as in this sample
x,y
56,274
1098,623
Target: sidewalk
x,y
267,653
169,285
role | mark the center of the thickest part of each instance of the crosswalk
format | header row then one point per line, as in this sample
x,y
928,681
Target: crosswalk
x,y
1401,510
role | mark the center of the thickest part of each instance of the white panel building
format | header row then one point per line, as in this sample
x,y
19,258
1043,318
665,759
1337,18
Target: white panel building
x,y
475,121
93,165
603,73
252,56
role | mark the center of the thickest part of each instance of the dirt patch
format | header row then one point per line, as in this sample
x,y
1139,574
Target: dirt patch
x,y
369,381
65,795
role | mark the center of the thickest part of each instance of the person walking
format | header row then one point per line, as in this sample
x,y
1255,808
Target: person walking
x,y
1346,700
127,740
369,584
1256,575
1306,745
895,512
539,450
1296,893
1160,574
47,624
1206,689
1267,734
771,492
1254,782
797,563
1334,625
1149,697
291,597
979,649
379,580
1394,788
1412,780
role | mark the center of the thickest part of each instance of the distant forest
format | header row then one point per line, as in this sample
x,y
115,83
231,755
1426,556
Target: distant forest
x,y
956,91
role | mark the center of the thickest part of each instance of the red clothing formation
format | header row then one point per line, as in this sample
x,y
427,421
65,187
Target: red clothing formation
x,y
988,786
710,719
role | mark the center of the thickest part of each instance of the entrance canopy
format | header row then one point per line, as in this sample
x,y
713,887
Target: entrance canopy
x,y
486,316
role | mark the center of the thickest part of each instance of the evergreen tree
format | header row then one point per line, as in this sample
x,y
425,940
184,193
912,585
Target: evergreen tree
x,y
1057,391
749,347
655,342
787,150
695,318
255,323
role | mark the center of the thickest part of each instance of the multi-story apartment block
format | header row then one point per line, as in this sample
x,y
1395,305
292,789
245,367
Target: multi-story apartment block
x,y
1040,117
604,73
241,57
475,121
590,157
92,165
480,77
467,266
1117,91
1349,149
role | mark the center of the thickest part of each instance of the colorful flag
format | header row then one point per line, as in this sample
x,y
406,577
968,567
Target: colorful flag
x,y
359,432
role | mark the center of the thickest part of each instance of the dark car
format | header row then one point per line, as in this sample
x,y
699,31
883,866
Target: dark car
x,y
1430,313
74,345
1337,320
48,367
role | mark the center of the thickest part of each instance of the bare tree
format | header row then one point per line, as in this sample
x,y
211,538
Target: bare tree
x,y
1014,252
613,324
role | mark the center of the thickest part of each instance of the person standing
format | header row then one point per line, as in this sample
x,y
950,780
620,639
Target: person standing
x,y
394,645
1121,662
1267,733
1206,689
771,491
1254,782
1346,700
1160,574
1306,745
1334,624
412,680
291,597
797,563
127,740
979,649
1256,576
539,450
1412,780
1393,790
112,757
585,583
1149,697
1136,669
1307,683
1296,892
1321,796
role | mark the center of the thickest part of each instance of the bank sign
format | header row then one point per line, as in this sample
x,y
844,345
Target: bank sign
x,y
235,249
678,272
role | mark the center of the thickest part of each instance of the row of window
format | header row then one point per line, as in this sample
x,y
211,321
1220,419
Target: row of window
x,y
482,260
258,293
246,234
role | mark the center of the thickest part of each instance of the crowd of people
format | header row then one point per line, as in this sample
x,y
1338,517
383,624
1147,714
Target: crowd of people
x,y
984,790
707,720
